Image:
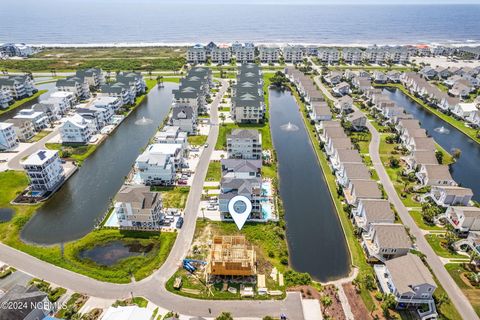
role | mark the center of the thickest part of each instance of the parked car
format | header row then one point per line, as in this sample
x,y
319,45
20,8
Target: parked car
x,y
206,145
211,207
182,182
179,222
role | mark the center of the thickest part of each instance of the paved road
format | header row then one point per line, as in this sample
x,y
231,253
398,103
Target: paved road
x,y
456,295
14,163
153,287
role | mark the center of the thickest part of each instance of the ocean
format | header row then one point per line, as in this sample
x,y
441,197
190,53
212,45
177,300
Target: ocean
x,y
158,22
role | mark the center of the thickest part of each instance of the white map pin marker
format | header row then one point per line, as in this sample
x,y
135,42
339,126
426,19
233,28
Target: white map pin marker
x,y
239,208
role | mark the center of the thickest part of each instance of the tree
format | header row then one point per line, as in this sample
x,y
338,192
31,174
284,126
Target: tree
x,y
389,302
394,162
326,301
439,156
279,79
224,316
457,153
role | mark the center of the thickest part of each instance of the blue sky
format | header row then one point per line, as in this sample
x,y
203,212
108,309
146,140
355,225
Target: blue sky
x,y
337,1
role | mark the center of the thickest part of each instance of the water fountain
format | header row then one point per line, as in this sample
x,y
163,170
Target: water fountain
x,y
442,129
144,121
289,127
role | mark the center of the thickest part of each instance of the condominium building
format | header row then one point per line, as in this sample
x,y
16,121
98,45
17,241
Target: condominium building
x,y
77,129
244,144
8,137
44,169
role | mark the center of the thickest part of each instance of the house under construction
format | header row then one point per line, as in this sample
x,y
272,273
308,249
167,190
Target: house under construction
x,y
231,256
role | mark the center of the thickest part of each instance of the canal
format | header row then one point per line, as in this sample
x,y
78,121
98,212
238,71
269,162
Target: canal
x,y
315,236
465,170
74,210
46,86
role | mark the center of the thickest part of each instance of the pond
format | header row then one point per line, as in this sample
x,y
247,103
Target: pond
x,y
6,214
465,170
112,252
315,236
73,211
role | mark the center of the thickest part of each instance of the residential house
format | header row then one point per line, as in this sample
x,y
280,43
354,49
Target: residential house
x,y
138,208
466,111
420,143
358,120
442,72
93,76
393,76
172,134
320,111
371,211
379,77
62,100
335,144
134,80
241,178
121,91
23,128
22,303
244,144
385,241
6,98
419,157
329,123
155,168
361,189
428,72
328,55
410,282
19,87
76,85
435,175
341,89
461,89
344,156
38,118
344,104
99,117
450,195
269,54
463,219
361,83
197,54
332,133
352,55
334,77
77,129
221,55
349,171
44,169
294,54
8,137
51,110
185,118
248,106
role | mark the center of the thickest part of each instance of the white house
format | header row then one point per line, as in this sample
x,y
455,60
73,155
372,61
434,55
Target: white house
x,y
320,111
467,111
450,195
410,282
361,189
137,208
8,137
244,144
156,168
38,118
435,175
78,86
344,104
19,87
351,171
6,98
44,169
184,118
23,129
385,241
371,211
464,219
341,89
77,129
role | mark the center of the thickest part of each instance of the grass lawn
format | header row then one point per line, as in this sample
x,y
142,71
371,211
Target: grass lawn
x,y
417,216
197,140
173,197
460,125
18,103
356,252
456,271
39,136
214,172
227,128
437,244
73,152
447,157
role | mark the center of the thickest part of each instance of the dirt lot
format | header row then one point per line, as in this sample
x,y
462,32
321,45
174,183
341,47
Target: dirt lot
x,y
334,310
359,310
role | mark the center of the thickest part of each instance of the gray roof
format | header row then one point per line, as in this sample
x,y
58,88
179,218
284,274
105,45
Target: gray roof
x,y
425,157
184,112
139,196
438,171
377,210
334,132
454,190
342,143
392,235
244,133
407,272
349,156
248,99
186,93
241,165
367,189
27,297
356,171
